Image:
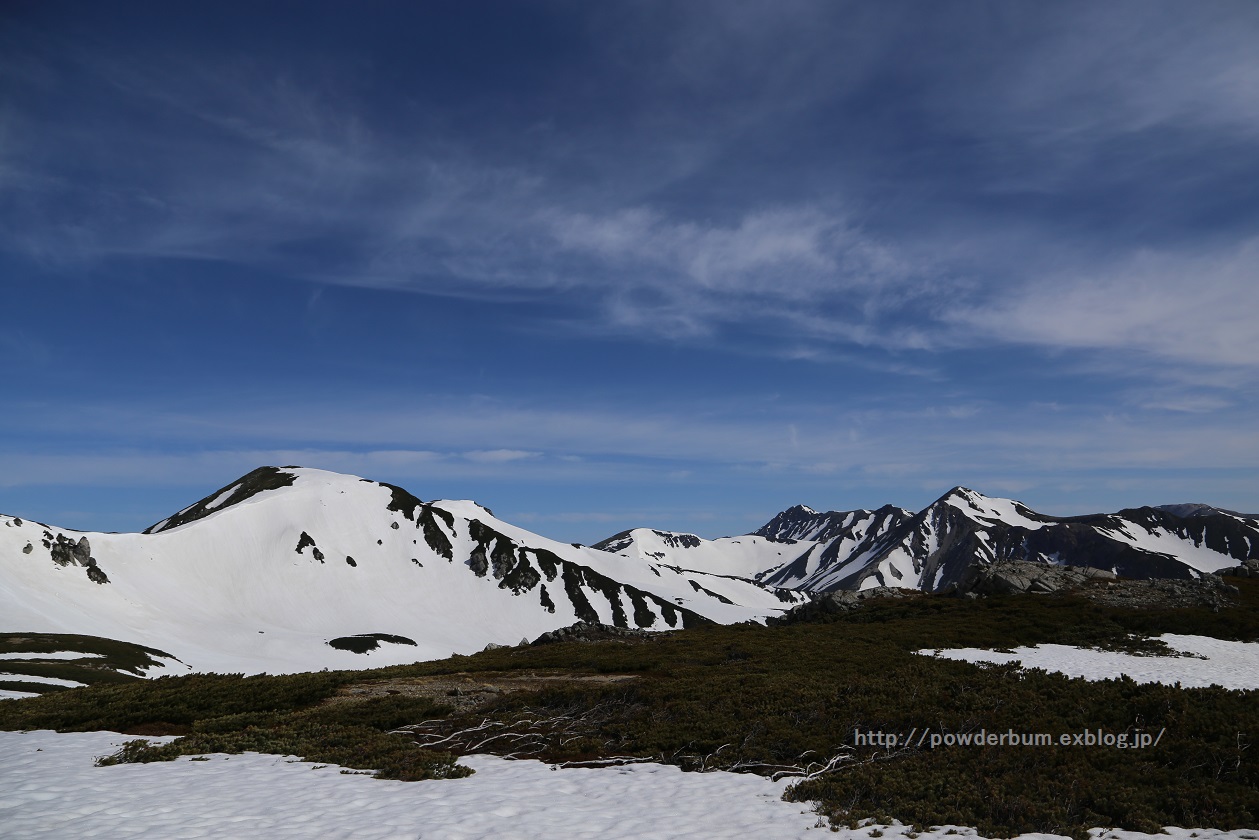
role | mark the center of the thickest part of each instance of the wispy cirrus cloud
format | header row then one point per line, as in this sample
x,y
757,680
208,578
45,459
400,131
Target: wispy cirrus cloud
x,y
798,174
505,440
1197,308
500,456
811,270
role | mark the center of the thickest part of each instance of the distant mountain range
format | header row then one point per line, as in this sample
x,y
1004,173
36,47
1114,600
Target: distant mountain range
x,y
934,550
292,569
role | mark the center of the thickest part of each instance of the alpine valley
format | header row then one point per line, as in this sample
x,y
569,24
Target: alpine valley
x,y
294,569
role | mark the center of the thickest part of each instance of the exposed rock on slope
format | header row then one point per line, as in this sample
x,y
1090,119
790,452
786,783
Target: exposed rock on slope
x,y
1009,577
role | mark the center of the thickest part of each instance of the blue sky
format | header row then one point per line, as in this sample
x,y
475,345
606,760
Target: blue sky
x,y
604,265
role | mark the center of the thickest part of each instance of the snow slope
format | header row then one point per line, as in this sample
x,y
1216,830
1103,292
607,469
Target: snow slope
x,y
745,557
1206,662
799,549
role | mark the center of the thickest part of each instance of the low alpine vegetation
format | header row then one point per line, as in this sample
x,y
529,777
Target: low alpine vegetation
x,y
783,700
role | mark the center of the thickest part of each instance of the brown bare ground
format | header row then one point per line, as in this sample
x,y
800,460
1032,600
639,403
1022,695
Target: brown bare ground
x,y
470,691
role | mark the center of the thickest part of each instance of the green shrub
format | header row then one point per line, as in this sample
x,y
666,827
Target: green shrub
x,y
772,699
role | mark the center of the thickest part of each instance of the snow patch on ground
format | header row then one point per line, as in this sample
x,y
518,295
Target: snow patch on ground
x,y
59,793
61,654
5,675
1210,662
49,788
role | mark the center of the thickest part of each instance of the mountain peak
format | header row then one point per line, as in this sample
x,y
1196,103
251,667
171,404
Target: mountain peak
x,y
964,493
466,507
268,480
245,487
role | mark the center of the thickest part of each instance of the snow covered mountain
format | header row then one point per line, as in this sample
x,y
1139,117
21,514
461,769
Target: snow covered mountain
x,y
292,569
842,544
936,549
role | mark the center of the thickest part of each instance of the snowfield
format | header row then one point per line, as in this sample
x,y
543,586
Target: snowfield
x,y
1209,662
50,788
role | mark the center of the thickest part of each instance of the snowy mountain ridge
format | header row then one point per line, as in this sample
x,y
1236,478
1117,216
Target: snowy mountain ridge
x,y
292,569
936,549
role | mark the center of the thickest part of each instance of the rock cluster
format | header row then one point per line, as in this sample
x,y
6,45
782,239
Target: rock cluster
x,y
1010,577
1207,591
66,552
1013,577
838,602
1250,568
1017,577
589,631
850,600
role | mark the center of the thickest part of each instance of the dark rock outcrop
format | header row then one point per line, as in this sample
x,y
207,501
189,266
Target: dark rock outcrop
x,y
246,487
835,603
365,642
590,631
1248,569
1009,577
65,551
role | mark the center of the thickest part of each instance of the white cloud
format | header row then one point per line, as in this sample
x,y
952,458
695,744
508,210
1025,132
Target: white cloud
x,y
794,270
500,456
1195,309
783,252
1139,72
791,253
461,440
245,165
